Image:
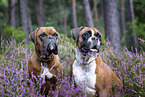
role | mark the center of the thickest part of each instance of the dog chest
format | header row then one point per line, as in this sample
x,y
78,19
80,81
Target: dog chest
x,y
46,72
84,76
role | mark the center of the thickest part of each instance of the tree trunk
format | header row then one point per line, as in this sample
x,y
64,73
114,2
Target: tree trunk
x,y
30,28
88,15
30,24
11,13
23,18
123,21
60,22
74,18
40,12
102,12
65,18
111,23
95,10
131,18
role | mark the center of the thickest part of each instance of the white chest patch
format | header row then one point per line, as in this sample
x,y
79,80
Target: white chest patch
x,y
85,77
45,72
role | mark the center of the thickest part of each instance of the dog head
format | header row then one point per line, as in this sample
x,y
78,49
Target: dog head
x,y
46,41
87,39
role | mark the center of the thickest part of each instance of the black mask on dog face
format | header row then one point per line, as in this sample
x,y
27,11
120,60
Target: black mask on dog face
x,y
49,45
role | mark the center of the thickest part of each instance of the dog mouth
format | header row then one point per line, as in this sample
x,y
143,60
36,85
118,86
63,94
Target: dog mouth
x,y
52,48
86,50
45,58
49,49
94,49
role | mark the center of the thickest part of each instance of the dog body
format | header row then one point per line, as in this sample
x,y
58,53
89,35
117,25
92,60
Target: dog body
x,y
44,61
84,75
88,70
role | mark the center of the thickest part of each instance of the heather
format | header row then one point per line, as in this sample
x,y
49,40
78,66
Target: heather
x,y
127,65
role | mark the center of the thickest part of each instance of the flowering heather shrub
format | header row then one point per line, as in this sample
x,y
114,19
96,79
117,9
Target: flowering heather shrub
x,y
66,53
129,67
13,74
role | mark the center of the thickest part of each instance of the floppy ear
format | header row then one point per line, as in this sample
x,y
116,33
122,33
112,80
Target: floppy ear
x,y
32,35
58,37
75,33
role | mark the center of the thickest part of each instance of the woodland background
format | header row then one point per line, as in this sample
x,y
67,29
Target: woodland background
x,y
121,22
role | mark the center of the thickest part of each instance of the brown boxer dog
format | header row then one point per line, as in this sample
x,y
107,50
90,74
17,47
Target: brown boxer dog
x,y
44,61
88,70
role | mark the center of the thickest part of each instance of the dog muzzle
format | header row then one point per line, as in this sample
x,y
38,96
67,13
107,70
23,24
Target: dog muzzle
x,y
49,48
88,48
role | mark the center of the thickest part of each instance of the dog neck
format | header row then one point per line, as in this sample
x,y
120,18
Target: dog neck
x,y
84,60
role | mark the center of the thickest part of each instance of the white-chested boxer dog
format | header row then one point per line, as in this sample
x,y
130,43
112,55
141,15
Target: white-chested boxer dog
x,y
44,61
88,69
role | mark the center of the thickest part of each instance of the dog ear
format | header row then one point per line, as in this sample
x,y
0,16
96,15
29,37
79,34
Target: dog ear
x,y
75,33
58,37
32,36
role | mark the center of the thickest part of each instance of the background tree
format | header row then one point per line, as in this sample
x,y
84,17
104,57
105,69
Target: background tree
x,y
23,18
87,13
64,16
95,10
74,18
11,13
60,22
131,19
123,22
30,28
40,12
111,23
57,13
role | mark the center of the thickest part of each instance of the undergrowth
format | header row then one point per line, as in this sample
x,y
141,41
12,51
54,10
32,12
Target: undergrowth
x,y
128,66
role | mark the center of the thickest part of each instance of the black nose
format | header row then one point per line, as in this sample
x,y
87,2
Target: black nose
x,y
50,37
94,38
51,46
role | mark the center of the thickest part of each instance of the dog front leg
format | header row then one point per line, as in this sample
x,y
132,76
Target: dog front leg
x,y
104,93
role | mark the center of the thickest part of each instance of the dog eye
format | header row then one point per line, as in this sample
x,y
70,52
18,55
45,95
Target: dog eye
x,y
55,35
87,34
98,35
42,35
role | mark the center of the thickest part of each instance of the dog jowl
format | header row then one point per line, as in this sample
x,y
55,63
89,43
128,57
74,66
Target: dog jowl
x,y
88,69
44,61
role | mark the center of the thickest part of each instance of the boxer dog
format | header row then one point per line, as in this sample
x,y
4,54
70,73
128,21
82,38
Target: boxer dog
x,y
88,70
44,61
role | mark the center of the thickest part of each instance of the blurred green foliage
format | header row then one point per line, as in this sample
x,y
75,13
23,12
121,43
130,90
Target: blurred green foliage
x,y
64,39
139,28
4,2
17,34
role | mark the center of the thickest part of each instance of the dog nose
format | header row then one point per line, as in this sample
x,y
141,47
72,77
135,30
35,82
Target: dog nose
x,y
50,37
94,38
51,46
